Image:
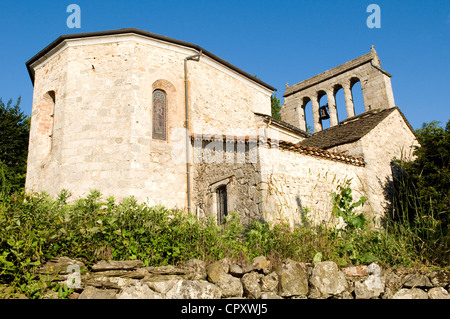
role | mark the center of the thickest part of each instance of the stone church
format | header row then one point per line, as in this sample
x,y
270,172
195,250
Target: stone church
x,y
132,113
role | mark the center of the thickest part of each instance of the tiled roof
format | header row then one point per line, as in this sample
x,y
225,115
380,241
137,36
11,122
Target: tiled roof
x,y
311,151
348,131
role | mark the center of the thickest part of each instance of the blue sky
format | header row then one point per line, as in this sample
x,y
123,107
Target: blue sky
x,y
278,41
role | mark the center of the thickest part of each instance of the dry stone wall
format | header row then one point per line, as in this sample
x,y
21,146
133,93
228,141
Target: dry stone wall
x,y
259,279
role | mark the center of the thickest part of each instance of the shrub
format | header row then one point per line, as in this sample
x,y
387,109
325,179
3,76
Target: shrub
x,y
37,227
421,203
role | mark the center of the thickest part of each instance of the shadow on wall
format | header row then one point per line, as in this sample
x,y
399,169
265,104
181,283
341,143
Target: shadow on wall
x,y
389,192
303,212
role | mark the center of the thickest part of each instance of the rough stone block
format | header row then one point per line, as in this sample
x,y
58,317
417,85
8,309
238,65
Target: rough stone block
x,y
138,291
327,279
293,279
270,282
414,293
355,271
261,263
94,293
217,269
104,265
417,280
438,293
250,282
230,286
194,289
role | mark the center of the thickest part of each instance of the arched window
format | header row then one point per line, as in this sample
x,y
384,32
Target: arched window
x,y
159,130
46,118
340,102
358,100
307,111
324,113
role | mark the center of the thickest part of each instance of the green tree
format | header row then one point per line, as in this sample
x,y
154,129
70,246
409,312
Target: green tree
x,y
430,171
276,107
422,189
14,135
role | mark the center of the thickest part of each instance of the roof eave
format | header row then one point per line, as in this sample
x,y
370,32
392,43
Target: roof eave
x,y
198,48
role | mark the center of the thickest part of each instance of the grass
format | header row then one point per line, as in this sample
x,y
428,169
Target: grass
x,y
36,228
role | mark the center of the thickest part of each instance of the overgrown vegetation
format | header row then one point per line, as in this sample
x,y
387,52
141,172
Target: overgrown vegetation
x,y
37,227
420,211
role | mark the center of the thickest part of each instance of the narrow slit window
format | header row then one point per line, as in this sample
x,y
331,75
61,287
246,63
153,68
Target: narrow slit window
x,y
159,131
46,118
222,210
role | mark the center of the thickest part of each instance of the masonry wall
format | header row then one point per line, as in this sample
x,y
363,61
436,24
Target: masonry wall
x,y
104,119
389,140
102,137
297,186
44,152
223,102
239,171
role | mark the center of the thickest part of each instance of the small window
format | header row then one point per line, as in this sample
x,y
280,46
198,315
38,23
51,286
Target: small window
x,y
222,209
45,118
159,131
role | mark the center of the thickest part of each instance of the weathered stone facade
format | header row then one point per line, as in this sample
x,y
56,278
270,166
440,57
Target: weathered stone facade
x,y
394,139
302,182
93,121
102,121
241,176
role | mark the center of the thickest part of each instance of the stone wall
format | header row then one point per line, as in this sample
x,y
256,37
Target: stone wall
x,y
232,167
222,102
102,136
102,118
392,138
259,279
296,185
266,179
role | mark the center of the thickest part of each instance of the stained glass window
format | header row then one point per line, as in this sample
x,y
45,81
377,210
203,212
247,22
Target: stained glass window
x,y
159,115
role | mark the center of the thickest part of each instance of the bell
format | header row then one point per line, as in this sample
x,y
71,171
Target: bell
x,y
323,112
